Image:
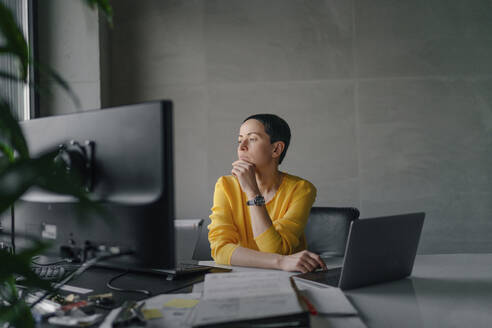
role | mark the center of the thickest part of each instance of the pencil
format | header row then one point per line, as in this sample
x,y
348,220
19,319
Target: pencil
x,y
303,299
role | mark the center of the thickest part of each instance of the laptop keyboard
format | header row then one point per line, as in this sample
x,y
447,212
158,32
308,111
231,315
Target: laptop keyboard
x,y
331,277
189,268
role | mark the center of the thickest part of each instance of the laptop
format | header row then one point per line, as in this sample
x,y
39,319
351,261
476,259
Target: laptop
x,y
378,250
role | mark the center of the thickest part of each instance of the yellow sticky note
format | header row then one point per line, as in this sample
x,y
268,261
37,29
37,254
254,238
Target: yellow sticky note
x,y
151,314
181,303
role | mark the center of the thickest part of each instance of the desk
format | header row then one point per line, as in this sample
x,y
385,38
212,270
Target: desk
x,y
448,290
95,279
453,290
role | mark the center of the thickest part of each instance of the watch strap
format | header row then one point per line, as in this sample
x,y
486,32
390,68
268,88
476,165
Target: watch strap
x,y
259,200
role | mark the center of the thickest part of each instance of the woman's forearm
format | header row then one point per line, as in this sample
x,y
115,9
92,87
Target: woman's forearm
x,y
260,219
249,257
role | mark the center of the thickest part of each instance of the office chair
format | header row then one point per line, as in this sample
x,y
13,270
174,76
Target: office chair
x,y
327,229
186,234
202,251
326,232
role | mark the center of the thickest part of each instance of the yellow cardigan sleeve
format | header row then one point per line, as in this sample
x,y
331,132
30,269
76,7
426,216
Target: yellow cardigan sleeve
x,y
283,237
222,235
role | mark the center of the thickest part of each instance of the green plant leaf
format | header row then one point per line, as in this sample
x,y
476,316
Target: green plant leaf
x,y
15,44
9,76
61,182
13,309
20,264
43,70
20,176
104,6
16,312
8,152
45,173
4,162
11,136
18,172
24,173
41,89
17,315
45,73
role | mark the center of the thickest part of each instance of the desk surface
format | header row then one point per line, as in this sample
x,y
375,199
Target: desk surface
x,y
445,290
452,290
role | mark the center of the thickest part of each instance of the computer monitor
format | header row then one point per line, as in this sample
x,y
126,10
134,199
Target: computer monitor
x,y
131,177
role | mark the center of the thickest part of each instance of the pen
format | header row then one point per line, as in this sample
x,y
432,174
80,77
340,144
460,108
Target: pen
x,y
303,299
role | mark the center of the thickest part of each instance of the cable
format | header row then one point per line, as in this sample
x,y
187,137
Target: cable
x,y
86,265
194,281
51,263
143,291
108,284
12,228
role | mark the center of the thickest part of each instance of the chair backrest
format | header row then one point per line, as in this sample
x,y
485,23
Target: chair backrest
x,y
202,251
326,232
186,234
327,229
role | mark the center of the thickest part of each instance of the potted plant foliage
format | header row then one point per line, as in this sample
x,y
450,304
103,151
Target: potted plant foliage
x,y
19,171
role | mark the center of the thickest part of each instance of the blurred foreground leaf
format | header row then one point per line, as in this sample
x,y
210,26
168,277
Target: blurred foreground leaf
x,y
20,264
19,172
15,43
13,310
11,136
49,175
104,6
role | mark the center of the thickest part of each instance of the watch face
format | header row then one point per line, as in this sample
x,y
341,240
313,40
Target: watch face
x,y
260,200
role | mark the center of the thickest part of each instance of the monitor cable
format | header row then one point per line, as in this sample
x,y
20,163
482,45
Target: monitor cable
x,y
12,228
67,260
86,265
119,275
110,285
191,283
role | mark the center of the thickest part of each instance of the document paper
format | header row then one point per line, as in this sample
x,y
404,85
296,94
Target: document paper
x,y
245,295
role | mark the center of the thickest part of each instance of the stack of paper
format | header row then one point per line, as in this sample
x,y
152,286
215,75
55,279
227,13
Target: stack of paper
x,y
234,297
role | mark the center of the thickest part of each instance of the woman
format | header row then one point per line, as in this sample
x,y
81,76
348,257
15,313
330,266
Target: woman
x,y
259,213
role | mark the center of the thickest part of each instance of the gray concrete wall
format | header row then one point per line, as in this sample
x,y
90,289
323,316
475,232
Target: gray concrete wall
x,y
68,37
389,102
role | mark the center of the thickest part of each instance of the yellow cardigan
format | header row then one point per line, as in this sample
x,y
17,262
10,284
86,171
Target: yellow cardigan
x,y
231,222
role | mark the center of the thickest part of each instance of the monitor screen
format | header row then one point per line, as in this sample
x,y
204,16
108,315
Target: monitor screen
x,y
131,176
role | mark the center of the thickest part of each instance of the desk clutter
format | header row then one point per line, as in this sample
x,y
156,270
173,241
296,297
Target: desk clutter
x,y
71,310
244,298
241,299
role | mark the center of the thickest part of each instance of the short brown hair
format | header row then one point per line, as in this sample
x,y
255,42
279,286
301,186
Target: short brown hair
x,y
276,127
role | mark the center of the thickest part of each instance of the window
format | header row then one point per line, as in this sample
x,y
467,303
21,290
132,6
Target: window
x,y
19,95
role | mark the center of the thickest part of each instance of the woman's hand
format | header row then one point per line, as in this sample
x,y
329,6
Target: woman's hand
x,y
304,261
245,172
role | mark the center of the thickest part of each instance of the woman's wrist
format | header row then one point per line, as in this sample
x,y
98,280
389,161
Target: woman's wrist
x,y
278,261
252,194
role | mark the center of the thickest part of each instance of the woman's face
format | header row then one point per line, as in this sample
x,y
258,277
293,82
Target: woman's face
x,y
254,144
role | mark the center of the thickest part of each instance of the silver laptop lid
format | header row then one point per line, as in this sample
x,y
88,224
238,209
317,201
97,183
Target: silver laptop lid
x,y
381,249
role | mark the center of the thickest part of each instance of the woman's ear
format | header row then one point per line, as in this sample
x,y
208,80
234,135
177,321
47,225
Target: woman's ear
x,y
278,148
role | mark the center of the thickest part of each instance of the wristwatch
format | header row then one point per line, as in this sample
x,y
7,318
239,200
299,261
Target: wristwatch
x,y
259,200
